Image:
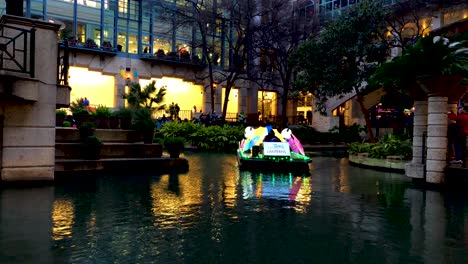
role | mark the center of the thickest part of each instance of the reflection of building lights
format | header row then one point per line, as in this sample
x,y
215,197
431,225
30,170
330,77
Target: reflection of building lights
x,y
63,218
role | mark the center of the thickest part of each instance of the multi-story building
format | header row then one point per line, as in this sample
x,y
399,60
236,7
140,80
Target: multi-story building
x,y
114,42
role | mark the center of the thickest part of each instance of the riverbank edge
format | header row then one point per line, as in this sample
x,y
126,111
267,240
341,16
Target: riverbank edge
x,y
390,164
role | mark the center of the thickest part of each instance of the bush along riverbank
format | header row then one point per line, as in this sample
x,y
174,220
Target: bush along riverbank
x,y
390,153
226,138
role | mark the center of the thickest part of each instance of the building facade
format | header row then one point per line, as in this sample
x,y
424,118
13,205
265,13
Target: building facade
x,y
114,42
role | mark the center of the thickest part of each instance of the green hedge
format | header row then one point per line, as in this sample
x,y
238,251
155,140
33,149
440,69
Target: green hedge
x,y
309,135
212,138
389,145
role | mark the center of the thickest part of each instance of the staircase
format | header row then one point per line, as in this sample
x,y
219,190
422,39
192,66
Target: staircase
x,y
121,150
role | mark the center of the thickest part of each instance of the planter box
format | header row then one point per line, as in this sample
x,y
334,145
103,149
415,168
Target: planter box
x,y
391,163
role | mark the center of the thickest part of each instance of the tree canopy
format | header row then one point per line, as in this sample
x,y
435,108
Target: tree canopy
x,y
344,55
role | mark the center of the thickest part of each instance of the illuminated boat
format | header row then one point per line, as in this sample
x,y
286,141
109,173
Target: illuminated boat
x,y
264,148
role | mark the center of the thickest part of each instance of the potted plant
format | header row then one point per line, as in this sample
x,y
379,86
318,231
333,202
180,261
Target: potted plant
x,y
174,145
114,120
60,115
185,55
160,53
106,45
66,124
102,116
90,43
79,111
91,148
172,55
86,129
144,123
125,117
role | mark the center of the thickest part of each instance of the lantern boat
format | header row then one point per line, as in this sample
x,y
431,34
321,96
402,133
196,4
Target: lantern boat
x,y
264,148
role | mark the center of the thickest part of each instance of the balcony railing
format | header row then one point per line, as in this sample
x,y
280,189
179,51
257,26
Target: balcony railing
x,y
174,59
88,47
63,65
17,47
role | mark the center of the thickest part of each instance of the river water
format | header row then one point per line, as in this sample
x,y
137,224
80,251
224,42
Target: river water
x,y
215,214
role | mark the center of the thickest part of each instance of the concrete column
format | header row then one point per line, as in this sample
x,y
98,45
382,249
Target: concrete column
x,y
243,99
120,89
436,139
28,149
415,169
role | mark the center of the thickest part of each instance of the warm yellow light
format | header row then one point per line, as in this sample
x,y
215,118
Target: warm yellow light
x,y
63,218
233,100
185,94
98,88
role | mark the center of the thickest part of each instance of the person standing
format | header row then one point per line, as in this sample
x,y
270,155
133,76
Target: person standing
x,y
177,110
86,103
460,144
309,117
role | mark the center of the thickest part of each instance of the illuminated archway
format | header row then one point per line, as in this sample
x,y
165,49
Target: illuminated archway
x,y
98,88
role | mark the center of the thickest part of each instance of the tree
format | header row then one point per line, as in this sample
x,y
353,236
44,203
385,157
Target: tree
x,y
149,97
218,28
345,54
282,27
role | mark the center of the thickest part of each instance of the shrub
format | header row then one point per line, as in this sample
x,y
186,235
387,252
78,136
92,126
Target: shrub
x,y
61,112
389,145
102,111
179,129
143,120
214,138
91,147
174,142
86,129
66,124
218,138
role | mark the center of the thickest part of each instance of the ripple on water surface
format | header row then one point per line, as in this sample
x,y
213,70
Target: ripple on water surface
x,y
215,213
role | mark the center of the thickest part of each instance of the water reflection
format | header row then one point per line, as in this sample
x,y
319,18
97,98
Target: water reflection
x,y
276,186
215,213
63,216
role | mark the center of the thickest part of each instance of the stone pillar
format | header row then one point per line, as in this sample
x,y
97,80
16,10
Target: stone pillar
x,y
28,149
416,168
436,139
120,89
243,100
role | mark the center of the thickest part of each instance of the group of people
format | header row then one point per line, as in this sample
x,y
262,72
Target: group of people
x,y
457,133
174,110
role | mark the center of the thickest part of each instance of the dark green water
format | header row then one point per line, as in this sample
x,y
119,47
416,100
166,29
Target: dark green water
x,y
216,214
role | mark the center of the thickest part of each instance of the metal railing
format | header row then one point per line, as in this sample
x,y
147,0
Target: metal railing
x,y
17,47
63,64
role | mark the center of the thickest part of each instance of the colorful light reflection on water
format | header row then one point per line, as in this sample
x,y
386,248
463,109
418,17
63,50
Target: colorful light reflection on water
x,y
217,214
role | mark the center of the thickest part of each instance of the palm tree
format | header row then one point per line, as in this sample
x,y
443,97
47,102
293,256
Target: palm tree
x,y
149,97
430,60
431,71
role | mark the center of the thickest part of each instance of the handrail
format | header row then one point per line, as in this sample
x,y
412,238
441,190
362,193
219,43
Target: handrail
x,y
17,49
63,65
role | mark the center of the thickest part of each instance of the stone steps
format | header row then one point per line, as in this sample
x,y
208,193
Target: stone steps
x,y
66,150
121,150
69,134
